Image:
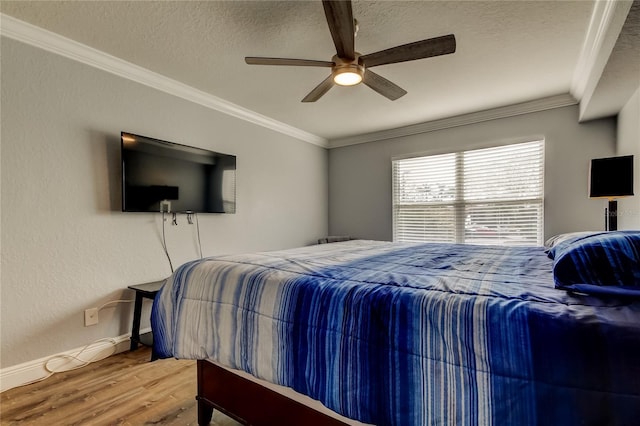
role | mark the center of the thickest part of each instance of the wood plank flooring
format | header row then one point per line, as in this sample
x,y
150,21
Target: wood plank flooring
x,y
124,389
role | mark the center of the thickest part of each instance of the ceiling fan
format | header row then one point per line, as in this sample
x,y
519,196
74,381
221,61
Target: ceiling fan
x,y
349,67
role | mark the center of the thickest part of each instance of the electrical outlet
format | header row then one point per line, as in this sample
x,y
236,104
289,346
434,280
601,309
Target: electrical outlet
x,y
90,317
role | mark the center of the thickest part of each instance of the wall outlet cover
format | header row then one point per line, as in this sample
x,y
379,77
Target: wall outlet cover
x,y
90,317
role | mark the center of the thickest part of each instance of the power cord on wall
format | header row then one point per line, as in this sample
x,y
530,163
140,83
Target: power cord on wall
x,y
69,358
174,221
76,357
164,241
198,233
190,216
115,301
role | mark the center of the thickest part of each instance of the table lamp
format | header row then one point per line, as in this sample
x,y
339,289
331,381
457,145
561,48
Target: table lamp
x,y
611,178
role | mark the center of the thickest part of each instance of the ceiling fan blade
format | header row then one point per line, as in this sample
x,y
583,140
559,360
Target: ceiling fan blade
x,y
251,60
320,90
412,51
383,86
340,19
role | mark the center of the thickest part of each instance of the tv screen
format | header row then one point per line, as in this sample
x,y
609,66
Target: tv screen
x,y
611,177
164,176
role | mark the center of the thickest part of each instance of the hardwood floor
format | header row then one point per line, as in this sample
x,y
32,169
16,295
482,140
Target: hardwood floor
x,y
124,389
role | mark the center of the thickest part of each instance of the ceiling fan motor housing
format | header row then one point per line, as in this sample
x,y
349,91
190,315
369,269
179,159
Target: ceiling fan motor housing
x,y
347,72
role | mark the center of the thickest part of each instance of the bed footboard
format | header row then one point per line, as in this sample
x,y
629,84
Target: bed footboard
x,y
249,402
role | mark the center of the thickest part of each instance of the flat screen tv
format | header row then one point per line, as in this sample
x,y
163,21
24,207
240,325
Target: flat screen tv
x,y
165,176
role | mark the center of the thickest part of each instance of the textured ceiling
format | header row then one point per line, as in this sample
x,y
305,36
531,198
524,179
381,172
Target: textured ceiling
x,y
507,52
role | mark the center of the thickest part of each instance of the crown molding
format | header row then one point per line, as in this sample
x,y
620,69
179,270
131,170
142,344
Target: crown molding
x,y
537,105
38,37
605,25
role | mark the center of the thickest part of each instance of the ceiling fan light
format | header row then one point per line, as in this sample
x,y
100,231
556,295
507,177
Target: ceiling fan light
x,y
348,76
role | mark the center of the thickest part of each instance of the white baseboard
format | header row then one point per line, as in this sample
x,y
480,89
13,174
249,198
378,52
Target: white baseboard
x,y
39,369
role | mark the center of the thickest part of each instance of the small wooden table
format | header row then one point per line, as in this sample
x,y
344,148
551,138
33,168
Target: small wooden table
x,y
149,291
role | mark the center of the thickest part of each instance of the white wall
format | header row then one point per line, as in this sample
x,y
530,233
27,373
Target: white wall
x,y
360,175
629,144
67,247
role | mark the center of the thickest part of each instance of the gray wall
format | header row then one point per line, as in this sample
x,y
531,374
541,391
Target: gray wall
x,y
360,175
67,247
629,144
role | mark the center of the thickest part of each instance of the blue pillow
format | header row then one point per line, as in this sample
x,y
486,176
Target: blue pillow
x,y
600,263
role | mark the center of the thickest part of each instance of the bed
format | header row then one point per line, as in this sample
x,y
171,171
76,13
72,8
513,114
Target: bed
x,y
409,334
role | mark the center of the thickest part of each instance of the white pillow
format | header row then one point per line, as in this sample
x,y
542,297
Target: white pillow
x,y
557,239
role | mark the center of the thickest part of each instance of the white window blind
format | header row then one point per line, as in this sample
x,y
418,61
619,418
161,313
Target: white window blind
x,y
483,196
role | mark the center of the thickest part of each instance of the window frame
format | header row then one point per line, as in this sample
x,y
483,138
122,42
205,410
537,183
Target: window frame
x,y
460,205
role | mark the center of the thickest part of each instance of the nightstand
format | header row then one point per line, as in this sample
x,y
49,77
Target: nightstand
x,y
149,291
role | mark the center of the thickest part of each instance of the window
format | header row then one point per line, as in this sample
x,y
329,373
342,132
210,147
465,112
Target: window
x,y
483,196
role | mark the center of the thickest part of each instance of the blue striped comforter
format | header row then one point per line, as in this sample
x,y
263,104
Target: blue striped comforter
x,y
411,334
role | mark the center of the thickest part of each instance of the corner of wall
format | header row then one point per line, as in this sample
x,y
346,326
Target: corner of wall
x,y
628,143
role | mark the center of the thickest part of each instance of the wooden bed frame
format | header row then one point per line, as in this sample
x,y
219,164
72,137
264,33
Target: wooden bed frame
x,y
249,402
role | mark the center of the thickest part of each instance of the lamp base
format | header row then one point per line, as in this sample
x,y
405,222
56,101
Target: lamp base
x,y
611,216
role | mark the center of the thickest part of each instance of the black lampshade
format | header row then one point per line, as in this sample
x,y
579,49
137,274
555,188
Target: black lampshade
x,y
611,177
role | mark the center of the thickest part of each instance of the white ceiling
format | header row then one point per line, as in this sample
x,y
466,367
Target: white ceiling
x,y
508,52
